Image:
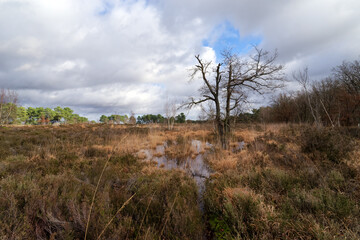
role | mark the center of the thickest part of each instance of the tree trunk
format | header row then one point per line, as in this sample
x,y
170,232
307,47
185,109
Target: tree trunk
x,y
226,123
220,127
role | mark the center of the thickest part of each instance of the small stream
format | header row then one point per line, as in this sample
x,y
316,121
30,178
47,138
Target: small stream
x,y
194,165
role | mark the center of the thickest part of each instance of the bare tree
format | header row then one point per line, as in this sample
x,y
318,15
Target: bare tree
x,y
326,91
226,83
302,77
170,113
207,112
348,73
132,119
283,108
8,101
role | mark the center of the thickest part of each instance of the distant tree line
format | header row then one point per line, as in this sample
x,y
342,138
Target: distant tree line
x,y
150,118
115,118
11,113
42,115
144,119
333,101
249,117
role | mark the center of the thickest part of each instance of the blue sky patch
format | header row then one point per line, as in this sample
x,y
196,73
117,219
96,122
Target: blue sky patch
x,y
107,7
225,36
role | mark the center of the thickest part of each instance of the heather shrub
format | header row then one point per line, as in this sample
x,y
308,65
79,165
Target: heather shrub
x,y
327,142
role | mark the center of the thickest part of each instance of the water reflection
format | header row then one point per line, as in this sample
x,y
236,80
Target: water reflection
x,y
194,167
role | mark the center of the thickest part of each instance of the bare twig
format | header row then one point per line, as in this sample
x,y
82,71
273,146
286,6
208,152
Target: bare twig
x,y
93,198
124,204
147,208
332,124
96,189
167,218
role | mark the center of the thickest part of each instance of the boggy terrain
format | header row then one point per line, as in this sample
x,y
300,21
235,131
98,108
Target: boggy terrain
x,y
145,182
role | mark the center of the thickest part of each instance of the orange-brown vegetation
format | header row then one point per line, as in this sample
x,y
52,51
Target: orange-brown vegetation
x,y
287,182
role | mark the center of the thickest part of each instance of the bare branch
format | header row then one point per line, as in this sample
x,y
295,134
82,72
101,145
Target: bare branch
x,y
227,85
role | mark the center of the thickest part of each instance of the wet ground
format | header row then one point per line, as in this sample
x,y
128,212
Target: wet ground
x,y
194,165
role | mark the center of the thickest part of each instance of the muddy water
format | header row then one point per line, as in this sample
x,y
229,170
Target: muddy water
x,y
240,146
194,167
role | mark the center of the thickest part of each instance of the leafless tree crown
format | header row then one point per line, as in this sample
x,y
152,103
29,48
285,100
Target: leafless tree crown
x,y
226,83
8,101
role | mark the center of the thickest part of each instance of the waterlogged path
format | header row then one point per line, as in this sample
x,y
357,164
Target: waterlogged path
x,y
194,165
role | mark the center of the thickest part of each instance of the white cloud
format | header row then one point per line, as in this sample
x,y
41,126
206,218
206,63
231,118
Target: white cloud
x,y
105,56
69,65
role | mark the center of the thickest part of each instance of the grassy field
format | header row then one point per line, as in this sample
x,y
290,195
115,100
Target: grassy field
x,y
287,182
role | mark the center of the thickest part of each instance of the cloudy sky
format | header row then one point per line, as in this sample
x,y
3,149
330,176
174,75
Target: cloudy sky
x,y
116,56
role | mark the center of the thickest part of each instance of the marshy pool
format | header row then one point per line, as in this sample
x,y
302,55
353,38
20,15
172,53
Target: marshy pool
x,y
194,165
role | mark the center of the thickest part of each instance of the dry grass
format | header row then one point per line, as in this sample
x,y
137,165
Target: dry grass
x,y
49,176
141,155
246,135
227,162
272,189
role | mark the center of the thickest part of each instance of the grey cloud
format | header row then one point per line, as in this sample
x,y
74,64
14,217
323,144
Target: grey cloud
x,y
298,29
137,53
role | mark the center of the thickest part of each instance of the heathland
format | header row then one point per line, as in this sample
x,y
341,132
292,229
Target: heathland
x,y
104,181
